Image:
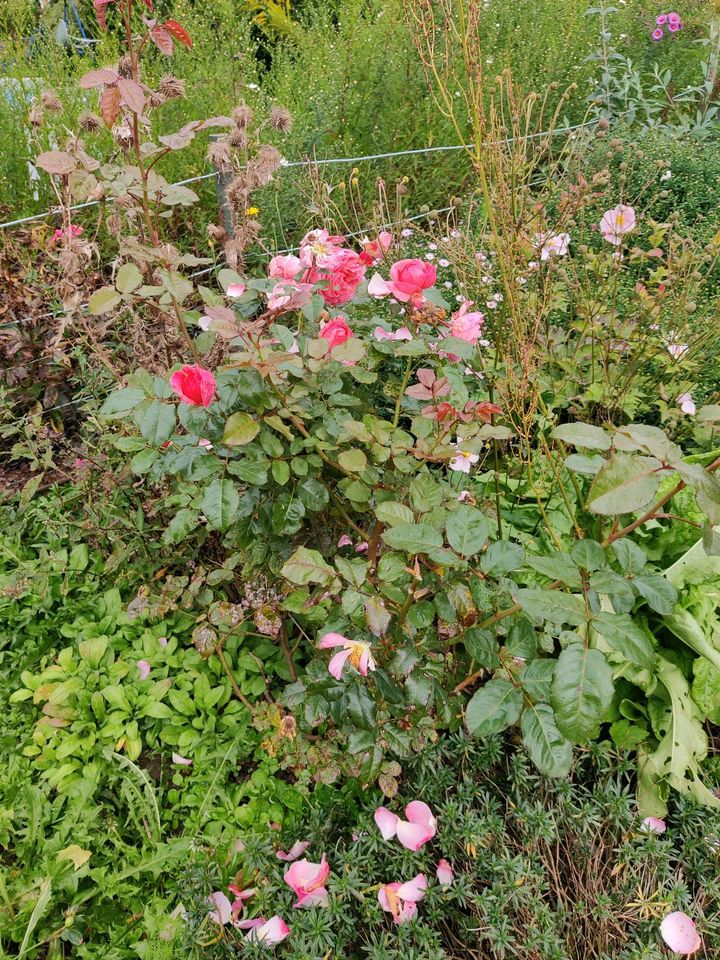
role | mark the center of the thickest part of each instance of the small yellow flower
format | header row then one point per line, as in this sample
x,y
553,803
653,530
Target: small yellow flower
x,y
252,211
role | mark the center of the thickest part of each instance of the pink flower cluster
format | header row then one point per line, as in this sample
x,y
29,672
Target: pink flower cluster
x,y
69,233
670,21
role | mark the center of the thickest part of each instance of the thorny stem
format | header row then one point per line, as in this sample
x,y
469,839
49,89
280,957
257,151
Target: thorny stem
x,y
282,637
401,391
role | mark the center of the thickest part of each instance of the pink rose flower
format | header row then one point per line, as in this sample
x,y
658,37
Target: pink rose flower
x,y
466,324
194,385
336,332
617,222
408,279
346,273
318,248
356,651
308,880
374,250
285,268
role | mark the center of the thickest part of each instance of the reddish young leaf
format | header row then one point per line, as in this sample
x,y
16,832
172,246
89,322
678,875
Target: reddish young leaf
x,y
162,40
56,161
109,105
179,32
131,94
100,11
98,78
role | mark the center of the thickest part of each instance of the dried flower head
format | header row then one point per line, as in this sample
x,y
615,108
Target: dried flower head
x,y
237,193
35,117
219,153
242,115
171,87
280,119
216,233
51,101
124,66
238,139
122,135
205,640
89,122
157,99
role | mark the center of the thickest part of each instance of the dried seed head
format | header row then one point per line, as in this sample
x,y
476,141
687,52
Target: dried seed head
x,y
89,122
51,101
124,201
603,123
219,154
242,115
171,87
157,99
280,119
216,233
238,139
122,135
237,193
267,162
35,117
124,66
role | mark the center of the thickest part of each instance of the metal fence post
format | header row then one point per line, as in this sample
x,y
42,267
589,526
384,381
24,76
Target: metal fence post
x,y
222,182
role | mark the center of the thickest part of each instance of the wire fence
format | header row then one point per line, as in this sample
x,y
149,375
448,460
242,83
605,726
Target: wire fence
x,y
313,162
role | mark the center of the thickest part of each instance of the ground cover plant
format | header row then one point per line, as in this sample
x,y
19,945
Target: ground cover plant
x,y
367,601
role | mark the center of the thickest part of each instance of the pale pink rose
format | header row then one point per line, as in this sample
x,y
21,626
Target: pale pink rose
x,y
412,833
144,669
464,459
318,247
308,880
466,324
295,851
445,873
401,899
285,267
356,651
653,825
336,332
687,404
679,933
617,222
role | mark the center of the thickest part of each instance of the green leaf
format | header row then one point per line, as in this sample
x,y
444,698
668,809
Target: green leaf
x,y
501,558
588,554
121,402
425,493
660,594
553,606
467,530
493,708
240,429
625,484
280,471
128,278
359,707
625,637
103,300
582,691
686,628
559,566
706,689
536,678
307,566
412,537
549,750
220,503
142,462
583,435
391,513
313,494
354,461
157,422
482,646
